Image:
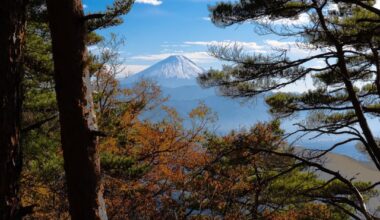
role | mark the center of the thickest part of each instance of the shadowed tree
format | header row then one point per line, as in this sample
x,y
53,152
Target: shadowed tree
x,y
12,23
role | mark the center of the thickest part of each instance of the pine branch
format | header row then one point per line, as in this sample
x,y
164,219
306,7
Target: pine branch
x,y
93,16
38,124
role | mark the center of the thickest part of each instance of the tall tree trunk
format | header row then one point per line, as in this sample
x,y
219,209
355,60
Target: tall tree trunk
x,y
77,118
371,144
12,29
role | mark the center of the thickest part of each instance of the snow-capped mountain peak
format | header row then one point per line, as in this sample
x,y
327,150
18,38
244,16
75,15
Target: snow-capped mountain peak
x,y
173,71
176,66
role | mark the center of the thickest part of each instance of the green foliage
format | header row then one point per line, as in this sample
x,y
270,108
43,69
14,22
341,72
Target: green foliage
x,y
111,17
225,14
122,166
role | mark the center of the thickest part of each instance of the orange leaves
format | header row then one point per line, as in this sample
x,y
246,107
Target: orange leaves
x,y
167,150
201,112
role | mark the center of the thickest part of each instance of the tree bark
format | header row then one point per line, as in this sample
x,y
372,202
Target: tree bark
x,y
75,103
12,30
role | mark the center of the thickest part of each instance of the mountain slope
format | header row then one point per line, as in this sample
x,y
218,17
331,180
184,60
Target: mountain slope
x,y
172,72
351,168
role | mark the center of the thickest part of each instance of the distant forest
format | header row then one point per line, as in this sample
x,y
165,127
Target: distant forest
x,y
74,144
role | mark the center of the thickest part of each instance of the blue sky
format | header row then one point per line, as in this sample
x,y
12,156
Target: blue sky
x,y
172,26
156,29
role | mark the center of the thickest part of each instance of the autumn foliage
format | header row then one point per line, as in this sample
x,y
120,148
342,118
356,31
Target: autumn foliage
x,y
172,168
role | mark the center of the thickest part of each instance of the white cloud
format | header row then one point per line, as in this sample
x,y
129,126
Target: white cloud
x,y
377,4
128,70
303,85
167,45
198,57
293,48
206,18
282,44
249,46
302,19
150,57
150,2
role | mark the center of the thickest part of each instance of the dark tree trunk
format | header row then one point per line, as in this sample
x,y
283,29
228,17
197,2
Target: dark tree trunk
x,y
77,118
12,29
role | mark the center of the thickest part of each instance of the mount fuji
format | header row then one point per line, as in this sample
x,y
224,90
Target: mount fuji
x,y
174,71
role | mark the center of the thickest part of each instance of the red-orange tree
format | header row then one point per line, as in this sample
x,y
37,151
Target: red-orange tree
x,y
146,162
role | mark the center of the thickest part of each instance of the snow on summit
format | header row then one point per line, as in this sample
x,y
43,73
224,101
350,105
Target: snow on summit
x,y
173,71
177,66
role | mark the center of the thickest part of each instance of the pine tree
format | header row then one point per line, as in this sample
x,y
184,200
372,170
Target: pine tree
x,y
343,38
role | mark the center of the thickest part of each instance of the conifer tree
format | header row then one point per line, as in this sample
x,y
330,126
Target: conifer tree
x,y
342,35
